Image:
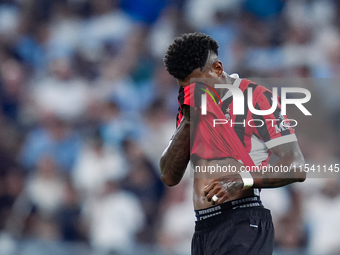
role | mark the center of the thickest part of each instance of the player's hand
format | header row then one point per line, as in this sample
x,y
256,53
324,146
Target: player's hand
x,y
224,188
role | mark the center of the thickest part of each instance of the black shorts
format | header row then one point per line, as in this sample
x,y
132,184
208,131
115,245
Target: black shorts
x,y
244,230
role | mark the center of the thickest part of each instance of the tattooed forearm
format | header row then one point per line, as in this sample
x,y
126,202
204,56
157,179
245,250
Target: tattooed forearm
x,y
176,156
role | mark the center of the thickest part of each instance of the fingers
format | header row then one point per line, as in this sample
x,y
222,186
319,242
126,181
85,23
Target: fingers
x,y
222,197
216,189
222,189
209,187
213,192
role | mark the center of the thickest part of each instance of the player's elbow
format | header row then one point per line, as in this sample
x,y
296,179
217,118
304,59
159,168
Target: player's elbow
x,y
168,180
302,176
299,169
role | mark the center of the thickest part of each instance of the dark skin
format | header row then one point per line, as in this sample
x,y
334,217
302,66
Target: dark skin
x,y
226,187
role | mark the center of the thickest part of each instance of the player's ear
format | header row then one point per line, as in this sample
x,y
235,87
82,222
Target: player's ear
x,y
218,68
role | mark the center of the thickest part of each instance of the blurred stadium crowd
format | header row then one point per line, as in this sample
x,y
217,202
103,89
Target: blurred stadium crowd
x,y
86,109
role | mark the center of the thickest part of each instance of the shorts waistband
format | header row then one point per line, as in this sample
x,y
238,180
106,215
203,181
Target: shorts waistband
x,y
216,210
233,216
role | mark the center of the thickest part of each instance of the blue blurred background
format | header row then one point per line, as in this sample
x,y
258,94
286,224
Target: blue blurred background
x,y
86,109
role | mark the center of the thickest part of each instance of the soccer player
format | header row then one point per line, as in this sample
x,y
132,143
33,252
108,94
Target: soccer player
x,y
230,216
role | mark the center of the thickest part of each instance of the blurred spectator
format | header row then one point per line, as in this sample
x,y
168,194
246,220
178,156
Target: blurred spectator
x,y
9,20
299,47
201,14
64,28
175,232
159,129
68,215
114,218
321,216
95,31
316,13
116,80
54,137
143,180
330,65
96,164
164,31
263,55
11,89
116,84
290,234
12,184
226,30
117,126
45,187
30,47
62,94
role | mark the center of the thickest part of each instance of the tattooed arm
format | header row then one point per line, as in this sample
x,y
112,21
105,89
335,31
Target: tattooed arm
x,y
290,156
176,156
